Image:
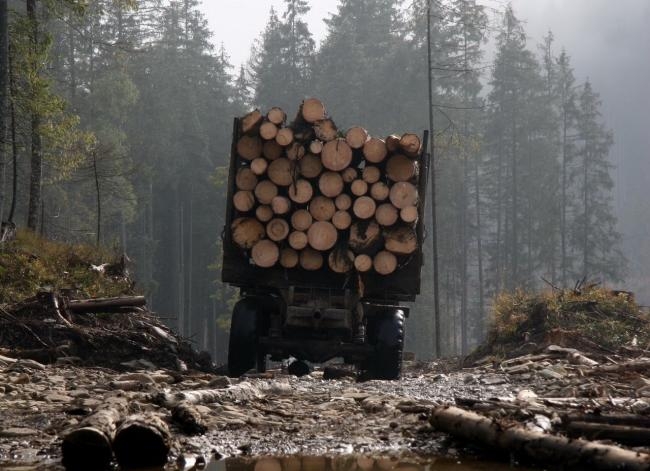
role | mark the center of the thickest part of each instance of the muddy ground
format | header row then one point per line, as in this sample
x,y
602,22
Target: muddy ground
x,y
278,414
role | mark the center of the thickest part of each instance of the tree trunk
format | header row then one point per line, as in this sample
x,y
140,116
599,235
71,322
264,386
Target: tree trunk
x,y
4,100
538,447
36,152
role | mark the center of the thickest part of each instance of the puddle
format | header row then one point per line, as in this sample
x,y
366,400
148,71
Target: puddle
x,y
355,463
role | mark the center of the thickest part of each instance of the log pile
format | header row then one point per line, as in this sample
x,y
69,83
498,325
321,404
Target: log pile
x,y
311,196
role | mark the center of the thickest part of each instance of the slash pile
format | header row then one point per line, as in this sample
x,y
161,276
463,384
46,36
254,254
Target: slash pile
x,y
309,196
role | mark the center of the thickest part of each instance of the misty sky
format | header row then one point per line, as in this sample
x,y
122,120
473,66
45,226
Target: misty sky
x,y
609,43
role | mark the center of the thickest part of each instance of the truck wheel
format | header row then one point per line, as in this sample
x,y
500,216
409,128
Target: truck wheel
x,y
386,335
243,348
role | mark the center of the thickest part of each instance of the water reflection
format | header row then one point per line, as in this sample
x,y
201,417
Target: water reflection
x,y
353,463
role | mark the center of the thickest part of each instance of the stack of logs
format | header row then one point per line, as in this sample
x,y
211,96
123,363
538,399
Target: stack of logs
x,y
307,195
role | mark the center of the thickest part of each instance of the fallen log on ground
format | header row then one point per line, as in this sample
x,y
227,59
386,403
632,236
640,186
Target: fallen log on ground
x,y
106,304
536,446
89,445
189,419
142,441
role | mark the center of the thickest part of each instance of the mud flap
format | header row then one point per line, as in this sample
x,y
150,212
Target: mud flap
x,y
386,335
243,350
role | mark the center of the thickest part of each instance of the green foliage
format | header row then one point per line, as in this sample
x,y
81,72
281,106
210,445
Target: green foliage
x,y
30,264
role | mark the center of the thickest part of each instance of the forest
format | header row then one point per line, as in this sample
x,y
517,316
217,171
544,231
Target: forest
x,y
116,125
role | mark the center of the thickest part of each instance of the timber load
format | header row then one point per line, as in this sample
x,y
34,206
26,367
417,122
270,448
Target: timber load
x,y
308,196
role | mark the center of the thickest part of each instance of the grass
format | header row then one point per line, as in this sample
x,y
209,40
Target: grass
x,y
30,264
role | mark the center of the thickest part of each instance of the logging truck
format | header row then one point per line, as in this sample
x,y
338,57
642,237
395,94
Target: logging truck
x,y
323,237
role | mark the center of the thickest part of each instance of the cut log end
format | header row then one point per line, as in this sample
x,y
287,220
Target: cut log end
x,y
322,235
385,263
249,147
386,214
342,220
277,229
281,205
301,191
245,179
250,122
364,207
289,258
284,137
325,130
400,168
277,116
336,155
341,261
313,110
301,220
374,150
379,191
140,433
280,172
298,240
243,201
311,259
356,137
246,232
343,202
322,208
265,191
265,253
259,166
330,184
268,130
403,194
264,213
363,263
359,188
310,166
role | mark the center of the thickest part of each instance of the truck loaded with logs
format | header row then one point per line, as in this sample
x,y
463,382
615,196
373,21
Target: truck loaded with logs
x,y
323,237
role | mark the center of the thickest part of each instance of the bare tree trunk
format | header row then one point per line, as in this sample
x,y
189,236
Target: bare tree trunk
x,y
99,200
563,226
14,149
4,100
36,174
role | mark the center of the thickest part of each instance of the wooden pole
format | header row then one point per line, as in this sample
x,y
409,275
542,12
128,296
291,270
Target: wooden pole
x,y
432,164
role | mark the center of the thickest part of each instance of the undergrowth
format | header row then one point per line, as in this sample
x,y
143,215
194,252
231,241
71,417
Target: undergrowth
x,y
30,264
592,318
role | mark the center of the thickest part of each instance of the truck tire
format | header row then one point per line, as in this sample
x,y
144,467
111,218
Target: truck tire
x,y
386,335
243,348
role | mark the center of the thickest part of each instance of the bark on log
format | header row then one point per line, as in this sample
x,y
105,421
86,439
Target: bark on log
x,y
379,191
611,419
142,441
277,229
310,166
322,235
89,445
250,122
79,306
311,260
246,232
364,207
281,205
265,253
276,115
312,110
301,191
336,155
403,194
301,220
342,220
409,214
249,147
341,260
410,144
280,172
298,240
245,179
295,151
322,208
330,184
189,419
316,146
374,150
264,213
289,258
268,130
359,188
385,263
349,174
401,240
284,137
343,202
259,166
365,236
265,191
400,168
243,201
386,214
392,143
363,263
538,447
625,434
370,174
356,137
272,150
325,130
